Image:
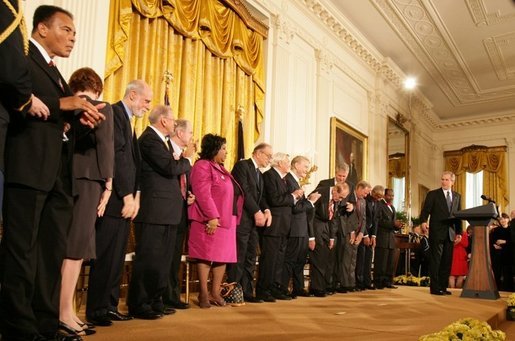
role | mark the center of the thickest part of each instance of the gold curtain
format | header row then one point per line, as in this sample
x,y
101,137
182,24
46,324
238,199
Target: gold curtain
x,y
217,63
473,159
396,169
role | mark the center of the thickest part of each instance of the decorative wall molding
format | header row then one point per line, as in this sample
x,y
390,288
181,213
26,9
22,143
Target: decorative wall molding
x,y
325,60
334,25
500,119
498,48
248,18
285,30
481,17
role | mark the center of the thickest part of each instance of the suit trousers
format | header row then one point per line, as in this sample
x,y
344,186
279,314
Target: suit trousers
x,y
172,293
440,261
106,270
151,266
247,243
294,261
364,265
346,262
384,267
31,254
321,266
272,256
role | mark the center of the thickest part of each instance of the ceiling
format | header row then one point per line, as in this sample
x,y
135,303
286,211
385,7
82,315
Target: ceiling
x,y
461,51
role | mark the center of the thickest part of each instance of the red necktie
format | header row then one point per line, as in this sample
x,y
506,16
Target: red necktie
x,y
54,69
182,181
331,209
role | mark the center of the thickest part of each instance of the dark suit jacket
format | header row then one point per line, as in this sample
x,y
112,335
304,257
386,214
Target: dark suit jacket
x,y
93,156
126,161
319,225
299,219
161,198
15,82
34,146
244,172
435,206
385,225
280,201
371,226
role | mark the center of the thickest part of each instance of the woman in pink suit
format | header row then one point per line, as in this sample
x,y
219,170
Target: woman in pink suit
x,y
214,216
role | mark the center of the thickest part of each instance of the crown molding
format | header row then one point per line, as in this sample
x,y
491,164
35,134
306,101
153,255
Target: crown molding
x,y
245,14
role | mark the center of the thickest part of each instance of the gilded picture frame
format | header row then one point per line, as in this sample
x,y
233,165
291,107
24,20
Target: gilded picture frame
x,y
350,146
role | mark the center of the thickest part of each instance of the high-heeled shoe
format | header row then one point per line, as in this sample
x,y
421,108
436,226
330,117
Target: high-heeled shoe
x,y
203,302
87,325
83,332
220,302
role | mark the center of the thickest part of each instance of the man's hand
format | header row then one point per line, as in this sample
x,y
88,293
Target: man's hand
x,y
313,197
212,225
137,198
311,245
104,198
298,193
366,241
259,218
268,217
38,109
373,242
349,207
128,206
90,116
352,238
331,244
191,198
190,149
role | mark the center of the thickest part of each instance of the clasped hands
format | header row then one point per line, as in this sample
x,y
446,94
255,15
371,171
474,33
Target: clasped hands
x,y
263,218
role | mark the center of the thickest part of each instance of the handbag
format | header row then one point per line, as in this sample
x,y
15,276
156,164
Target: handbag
x,y
233,294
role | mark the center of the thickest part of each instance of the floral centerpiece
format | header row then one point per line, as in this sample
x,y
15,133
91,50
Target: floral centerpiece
x,y
411,280
468,329
510,310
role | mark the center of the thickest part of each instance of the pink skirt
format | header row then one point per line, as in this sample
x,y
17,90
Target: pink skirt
x,y
219,247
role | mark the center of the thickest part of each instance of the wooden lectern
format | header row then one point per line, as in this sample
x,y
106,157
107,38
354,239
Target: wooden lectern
x,y
480,281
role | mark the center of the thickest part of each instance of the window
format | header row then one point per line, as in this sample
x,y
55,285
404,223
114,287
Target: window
x,y
399,188
474,189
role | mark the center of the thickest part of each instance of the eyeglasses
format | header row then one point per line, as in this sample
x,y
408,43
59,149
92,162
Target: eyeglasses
x,y
269,156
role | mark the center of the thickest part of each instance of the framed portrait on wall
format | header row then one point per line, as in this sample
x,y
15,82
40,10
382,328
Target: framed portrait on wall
x,y
350,146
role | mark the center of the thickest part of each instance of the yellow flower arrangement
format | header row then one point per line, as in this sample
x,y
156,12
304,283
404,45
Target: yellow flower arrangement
x,y
467,329
511,300
411,280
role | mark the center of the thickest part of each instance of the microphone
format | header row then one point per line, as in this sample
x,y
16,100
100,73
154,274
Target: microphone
x,y
484,197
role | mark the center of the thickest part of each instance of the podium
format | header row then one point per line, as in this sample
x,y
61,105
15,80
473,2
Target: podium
x,y
480,281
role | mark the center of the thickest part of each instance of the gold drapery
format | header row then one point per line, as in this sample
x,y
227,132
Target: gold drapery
x,y
217,63
396,168
473,159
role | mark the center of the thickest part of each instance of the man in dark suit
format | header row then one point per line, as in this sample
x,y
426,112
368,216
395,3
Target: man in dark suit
x,y
385,241
112,230
322,229
38,202
297,247
367,245
183,146
159,216
341,175
439,205
256,214
274,238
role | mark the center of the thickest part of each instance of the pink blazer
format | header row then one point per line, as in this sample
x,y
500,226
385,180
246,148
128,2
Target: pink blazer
x,y
213,188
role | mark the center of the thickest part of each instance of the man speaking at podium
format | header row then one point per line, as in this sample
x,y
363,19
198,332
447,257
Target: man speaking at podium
x,y
440,205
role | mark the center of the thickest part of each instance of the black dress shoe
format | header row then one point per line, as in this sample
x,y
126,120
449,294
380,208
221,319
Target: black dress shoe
x,y
341,290
168,311
447,292
69,330
371,287
115,315
64,336
100,320
252,299
179,305
281,296
391,286
318,293
437,292
147,315
266,298
302,293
